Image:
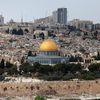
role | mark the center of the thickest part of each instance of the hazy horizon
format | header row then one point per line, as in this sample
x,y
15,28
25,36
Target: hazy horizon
x,y
34,9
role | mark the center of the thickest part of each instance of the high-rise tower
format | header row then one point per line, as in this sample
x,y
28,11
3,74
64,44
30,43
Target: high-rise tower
x,y
60,16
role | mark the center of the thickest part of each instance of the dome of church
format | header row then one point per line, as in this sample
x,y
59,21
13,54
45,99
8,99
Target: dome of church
x,y
48,45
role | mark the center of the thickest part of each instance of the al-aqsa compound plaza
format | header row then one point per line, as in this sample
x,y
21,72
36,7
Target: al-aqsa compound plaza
x,y
48,54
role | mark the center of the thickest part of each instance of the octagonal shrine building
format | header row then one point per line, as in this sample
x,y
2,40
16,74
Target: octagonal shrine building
x,y
48,54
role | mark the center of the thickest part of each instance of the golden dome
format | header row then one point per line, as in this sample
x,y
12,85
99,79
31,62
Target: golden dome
x,y
48,45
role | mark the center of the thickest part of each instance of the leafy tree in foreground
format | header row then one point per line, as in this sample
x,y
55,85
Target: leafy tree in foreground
x,y
39,98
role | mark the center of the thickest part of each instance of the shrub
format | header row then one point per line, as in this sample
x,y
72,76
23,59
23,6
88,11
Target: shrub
x,y
39,98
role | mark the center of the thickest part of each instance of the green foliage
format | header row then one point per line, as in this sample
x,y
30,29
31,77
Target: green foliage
x,y
26,68
30,53
75,59
94,67
39,98
17,32
97,57
61,67
2,77
2,64
88,76
1,71
22,60
45,69
68,76
74,68
14,31
20,32
26,30
36,64
59,71
12,70
7,31
9,65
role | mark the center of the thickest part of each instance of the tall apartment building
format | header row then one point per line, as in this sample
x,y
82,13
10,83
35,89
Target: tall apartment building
x,y
60,16
1,20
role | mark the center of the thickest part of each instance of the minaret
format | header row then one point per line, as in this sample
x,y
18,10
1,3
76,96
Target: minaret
x,y
22,20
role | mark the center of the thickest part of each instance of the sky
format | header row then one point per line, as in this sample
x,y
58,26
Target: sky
x,y
33,9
